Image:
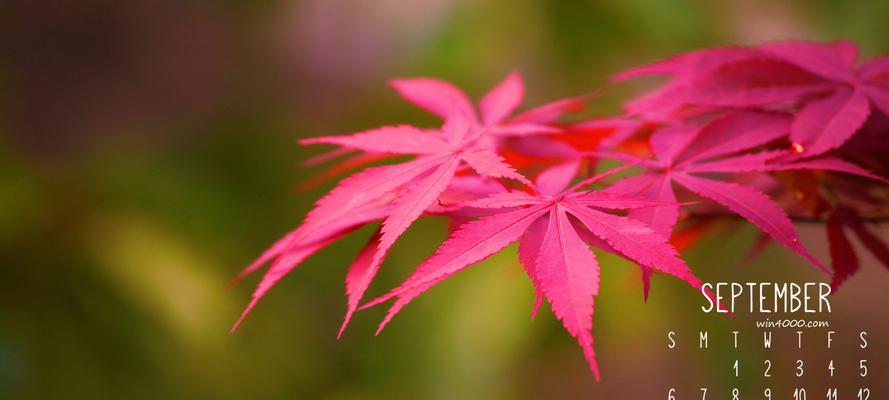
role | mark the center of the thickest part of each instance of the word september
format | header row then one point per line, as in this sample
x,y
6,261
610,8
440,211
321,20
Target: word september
x,y
767,297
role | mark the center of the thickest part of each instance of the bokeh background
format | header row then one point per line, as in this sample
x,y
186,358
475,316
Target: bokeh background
x,y
148,152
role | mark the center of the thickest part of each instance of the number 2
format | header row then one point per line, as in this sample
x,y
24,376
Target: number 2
x,y
768,368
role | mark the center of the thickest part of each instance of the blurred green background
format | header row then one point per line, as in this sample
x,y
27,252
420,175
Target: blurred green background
x,y
148,153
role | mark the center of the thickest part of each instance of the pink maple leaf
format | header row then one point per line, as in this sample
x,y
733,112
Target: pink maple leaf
x,y
418,183
682,153
834,95
444,99
550,226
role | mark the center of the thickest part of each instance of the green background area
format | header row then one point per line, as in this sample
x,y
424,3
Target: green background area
x,y
148,152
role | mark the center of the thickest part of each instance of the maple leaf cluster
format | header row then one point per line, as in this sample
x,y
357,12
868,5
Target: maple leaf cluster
x,y
766,134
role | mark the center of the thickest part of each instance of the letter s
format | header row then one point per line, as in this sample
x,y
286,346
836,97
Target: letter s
x,y
704,288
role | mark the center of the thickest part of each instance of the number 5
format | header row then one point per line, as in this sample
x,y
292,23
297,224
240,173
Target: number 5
x,y
862,366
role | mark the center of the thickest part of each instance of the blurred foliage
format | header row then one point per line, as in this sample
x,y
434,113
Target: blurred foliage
x,y
148,153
